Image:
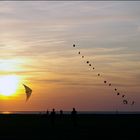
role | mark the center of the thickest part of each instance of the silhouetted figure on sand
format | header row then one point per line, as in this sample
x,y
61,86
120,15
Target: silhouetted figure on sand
x,y
47,113
52,116
61,113
74,117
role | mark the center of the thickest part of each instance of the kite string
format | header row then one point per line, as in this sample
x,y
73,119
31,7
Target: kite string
x,y
118,93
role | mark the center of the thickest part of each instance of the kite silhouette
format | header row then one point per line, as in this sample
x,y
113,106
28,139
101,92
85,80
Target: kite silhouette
x,y
132,103
28,92
125,101
123,96
118,93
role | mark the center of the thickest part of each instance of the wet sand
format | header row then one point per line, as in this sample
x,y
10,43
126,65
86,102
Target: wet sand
x,y
88,126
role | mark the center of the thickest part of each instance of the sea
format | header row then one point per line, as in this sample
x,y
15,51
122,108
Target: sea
x,y
69,112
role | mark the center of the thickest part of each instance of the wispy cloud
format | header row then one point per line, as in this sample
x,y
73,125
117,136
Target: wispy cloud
x,y
36,43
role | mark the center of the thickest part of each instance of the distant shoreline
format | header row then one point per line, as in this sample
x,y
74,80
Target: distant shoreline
x,y
69,112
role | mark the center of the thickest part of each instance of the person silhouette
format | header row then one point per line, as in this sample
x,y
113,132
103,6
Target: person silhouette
x,y
47,113
61,113
74,117
52,115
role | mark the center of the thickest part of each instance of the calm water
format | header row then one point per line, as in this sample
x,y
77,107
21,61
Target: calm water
x,y
68,112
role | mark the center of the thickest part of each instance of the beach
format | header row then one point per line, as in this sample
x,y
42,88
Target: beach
x,y
40,126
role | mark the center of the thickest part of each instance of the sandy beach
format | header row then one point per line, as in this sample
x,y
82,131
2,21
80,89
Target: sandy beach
x,y
31,126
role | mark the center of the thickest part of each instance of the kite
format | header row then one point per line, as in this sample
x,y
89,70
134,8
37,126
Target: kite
x,y
125,101
118,93
28,92
115,89
123,96
132,103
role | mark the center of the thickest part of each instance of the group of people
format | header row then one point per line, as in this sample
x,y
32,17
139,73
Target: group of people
x,y
53,112
52,115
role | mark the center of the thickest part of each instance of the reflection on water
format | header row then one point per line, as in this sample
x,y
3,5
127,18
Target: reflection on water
x,y
6,112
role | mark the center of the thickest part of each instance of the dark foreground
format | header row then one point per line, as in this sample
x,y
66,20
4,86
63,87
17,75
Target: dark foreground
x,y
87,127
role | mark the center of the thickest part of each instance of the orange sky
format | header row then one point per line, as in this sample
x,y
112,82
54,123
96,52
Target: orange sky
x,y
36,46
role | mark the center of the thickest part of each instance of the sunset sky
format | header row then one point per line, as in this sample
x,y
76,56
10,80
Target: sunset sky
x,y
36,41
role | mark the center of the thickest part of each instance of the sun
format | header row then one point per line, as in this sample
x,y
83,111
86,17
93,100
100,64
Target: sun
x,y
8,85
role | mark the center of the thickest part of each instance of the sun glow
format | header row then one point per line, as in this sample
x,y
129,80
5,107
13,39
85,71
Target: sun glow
x,y
10,65
8,85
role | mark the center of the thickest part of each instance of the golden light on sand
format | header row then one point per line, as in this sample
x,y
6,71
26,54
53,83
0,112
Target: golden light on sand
x,y
8,85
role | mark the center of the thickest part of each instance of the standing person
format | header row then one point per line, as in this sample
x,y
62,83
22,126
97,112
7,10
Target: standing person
x,y
47,113
61,113
74,116
52,115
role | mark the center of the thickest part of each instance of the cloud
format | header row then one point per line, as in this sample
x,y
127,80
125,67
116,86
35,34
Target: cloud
x,y
38,36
